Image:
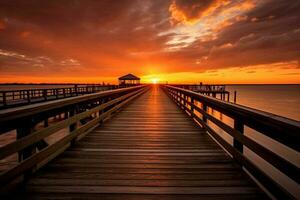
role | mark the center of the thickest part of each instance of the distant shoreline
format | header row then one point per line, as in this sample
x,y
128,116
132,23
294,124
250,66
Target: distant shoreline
x,y
54,83
3,84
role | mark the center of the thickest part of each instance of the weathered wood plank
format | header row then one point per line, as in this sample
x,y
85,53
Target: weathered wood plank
x,y
76,196
141,183
145,190
214,175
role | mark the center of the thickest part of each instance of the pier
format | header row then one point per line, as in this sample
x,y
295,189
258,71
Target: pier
x,y
217,91
143,142
14,98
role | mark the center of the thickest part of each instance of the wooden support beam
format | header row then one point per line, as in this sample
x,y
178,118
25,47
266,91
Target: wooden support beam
x,y
234,97
204,107
4,98
239,126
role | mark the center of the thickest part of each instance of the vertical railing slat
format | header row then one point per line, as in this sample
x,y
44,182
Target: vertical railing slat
x,y
239,126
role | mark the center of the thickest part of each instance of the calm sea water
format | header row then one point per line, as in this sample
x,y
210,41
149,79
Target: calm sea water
x,y
282,100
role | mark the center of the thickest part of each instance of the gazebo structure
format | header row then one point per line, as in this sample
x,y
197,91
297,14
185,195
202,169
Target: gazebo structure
x,y
129,79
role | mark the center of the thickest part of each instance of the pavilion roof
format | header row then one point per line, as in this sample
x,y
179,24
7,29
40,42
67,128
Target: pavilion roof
x,y
129,77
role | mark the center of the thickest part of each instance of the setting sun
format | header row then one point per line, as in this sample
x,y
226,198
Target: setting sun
x,y
154,80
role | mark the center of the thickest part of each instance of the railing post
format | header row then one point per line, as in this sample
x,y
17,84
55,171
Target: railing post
x,y
239,126
28,96
56,93
4,98
66,115
234,97
182,100
25,129
73,126
45,94
204,107
46,122
192,106
76,92
173,94
101,111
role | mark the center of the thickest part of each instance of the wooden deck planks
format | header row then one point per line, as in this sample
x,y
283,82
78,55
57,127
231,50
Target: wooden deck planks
x,y
150,148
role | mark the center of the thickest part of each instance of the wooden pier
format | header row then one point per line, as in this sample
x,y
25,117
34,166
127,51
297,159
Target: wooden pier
x,y
14,98
217,91
143,142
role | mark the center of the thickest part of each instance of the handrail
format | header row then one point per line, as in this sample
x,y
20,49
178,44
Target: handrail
x,y
11,98
288,133
202,87
281,129
100,111
9,117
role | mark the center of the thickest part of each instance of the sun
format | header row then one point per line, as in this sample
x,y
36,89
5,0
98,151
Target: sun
x,y
154,81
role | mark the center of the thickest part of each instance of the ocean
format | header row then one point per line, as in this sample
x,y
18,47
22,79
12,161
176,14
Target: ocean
x,y
283,100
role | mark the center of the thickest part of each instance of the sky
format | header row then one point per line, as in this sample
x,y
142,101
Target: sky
x,y
174,41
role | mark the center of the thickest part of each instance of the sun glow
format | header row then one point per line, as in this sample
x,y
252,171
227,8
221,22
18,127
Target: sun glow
x,y
154,80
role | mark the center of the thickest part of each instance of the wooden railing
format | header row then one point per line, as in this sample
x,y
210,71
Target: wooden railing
x,y
10,98
280,129
201,87
81,114
217,91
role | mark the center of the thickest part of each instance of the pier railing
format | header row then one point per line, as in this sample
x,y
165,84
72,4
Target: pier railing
x,y
200,87
210,90
280,129
34,123
11,98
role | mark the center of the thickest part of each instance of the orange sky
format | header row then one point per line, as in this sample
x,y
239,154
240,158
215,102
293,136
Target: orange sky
x,y
175,41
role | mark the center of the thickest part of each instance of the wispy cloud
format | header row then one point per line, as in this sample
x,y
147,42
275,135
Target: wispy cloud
x,y
10,58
